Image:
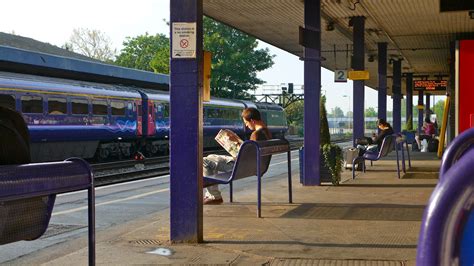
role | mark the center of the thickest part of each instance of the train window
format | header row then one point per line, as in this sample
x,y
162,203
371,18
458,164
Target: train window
x,y
99,107
118,108
57,106
32,104
7,101
79,106
212,113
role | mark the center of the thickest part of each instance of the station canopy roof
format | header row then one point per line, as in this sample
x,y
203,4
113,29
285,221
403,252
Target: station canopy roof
x,y
415,30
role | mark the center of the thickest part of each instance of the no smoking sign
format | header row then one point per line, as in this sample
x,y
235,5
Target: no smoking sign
x,y
184,43
184,40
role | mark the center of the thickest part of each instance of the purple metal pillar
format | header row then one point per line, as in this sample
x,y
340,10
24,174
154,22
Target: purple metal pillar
x,y
428,104
358,63
420,111
186,127
382,90
312,94
397,95
409,86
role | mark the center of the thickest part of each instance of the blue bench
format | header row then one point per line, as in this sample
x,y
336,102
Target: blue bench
x,y
388,144
254,159
447,229
28,192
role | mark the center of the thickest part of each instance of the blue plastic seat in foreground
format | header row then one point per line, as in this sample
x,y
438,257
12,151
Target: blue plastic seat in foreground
x,y
456,149
447,229
253,159
28,192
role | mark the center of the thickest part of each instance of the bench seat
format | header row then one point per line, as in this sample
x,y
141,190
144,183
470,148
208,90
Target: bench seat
x,y
253,159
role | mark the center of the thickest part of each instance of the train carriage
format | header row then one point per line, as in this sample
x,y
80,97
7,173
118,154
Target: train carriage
x,y
70,118
91,120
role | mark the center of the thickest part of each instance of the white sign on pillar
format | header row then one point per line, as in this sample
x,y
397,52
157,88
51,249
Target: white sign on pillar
x,y
340,75
184,40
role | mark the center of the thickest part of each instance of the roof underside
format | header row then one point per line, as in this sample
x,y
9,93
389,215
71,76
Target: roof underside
x,y
415,30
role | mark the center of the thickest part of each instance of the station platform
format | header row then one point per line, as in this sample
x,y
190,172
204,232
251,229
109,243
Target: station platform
x,y
372,220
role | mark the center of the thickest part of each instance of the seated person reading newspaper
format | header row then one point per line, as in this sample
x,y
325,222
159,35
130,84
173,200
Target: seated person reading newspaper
x,y
212,164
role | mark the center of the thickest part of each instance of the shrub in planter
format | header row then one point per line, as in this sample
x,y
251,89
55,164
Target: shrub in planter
x,y
332,156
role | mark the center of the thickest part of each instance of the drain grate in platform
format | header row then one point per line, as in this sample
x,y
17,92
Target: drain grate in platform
x,y
146,242
323,262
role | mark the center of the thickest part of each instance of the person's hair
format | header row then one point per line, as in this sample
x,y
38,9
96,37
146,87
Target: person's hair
x,y
382,122
251,114
427,120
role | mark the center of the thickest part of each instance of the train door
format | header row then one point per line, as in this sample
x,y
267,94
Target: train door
x,y
151,118
137,108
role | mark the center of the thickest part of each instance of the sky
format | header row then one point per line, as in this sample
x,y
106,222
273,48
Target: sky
x,y
53,21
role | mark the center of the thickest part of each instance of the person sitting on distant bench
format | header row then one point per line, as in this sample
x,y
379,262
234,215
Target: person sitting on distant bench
x,y
385,130
427,133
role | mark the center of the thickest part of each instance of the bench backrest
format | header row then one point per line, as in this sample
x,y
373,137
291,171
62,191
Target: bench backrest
x,y
246,163
27,195
387,146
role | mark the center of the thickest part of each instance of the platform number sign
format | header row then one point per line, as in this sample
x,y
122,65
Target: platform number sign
x,y
340,75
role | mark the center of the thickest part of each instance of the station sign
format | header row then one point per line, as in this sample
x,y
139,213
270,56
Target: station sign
x,y
340,75
430,85
184,40
359,75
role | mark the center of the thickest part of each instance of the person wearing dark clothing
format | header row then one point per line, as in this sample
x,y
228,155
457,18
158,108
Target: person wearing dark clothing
x,y
385,130
377,140
212,164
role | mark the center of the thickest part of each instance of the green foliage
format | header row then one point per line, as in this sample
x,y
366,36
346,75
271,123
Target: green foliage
x,y
332,154
371,112
324,136
438,109
337,112
409,124
294,112
145,52
235,60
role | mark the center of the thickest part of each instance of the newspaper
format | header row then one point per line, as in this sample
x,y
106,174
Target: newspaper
x,y
229,141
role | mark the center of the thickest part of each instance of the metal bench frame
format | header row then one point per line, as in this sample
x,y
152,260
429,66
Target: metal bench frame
x,y
389,143
27,181
254,159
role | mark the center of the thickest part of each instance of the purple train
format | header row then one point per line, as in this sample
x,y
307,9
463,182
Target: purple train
x,y
69,118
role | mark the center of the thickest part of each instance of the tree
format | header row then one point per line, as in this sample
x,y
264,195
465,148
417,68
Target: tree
x,y
294,115
294,112
146,52
92,43
370,112
235,60
337,112
324,137
438,109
